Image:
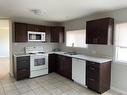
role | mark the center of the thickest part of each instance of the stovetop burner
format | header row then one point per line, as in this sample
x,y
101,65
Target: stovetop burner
x,y
37,53
41,52
32,53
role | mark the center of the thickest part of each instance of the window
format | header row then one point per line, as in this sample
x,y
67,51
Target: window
x,y
76,38
121,42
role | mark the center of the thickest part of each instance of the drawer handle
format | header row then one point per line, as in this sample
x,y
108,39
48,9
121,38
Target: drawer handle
x,y
92,63
92,68
92,79
24,70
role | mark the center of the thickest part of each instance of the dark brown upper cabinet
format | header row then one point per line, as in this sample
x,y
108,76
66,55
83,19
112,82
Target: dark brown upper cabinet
x,y
100,31
35,28
20,32
57,34
31,27
53,33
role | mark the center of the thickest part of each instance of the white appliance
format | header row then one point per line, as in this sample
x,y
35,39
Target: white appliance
x,y
79,71
38,61
36,36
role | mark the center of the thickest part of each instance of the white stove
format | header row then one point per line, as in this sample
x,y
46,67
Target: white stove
x,y
38,61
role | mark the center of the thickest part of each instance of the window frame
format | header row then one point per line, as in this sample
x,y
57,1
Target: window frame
x,y
116,47
85,45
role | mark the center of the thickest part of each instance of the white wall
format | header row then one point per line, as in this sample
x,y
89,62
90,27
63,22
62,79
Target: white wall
x,y
119,71
4,38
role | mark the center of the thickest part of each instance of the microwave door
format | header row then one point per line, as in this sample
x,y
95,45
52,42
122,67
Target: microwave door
x,y
38,37
32,37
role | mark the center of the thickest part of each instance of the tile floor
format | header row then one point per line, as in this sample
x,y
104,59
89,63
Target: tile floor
x,y
52,84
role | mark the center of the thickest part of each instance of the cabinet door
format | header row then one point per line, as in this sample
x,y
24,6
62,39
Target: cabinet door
x,y
52,63
64,66
23,62
36,28
59,66
91,33
23,74
22,67
100,31
41,28
20,32
67,67
57,34
32,27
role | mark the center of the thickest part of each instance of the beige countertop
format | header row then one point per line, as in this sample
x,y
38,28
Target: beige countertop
x,y
79,56
84,57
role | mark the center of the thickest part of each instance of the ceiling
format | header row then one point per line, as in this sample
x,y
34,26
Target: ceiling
x,y
57,10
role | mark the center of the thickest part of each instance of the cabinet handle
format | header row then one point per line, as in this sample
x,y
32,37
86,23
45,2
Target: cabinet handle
x,y
92,80
92,68
23,69
92,63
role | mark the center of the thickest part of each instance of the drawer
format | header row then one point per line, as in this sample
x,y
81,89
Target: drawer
x,y
92,70
93,84
22,74
23,65
23,58
92,64
94,76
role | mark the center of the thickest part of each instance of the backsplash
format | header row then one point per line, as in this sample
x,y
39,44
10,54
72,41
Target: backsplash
x,y
91,50
19,47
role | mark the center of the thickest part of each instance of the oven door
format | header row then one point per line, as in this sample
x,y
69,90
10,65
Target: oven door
x,y
39,62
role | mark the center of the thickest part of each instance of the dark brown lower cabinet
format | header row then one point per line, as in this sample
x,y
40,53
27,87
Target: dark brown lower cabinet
x,y
21,67
52,62
64,66
98,76
61,65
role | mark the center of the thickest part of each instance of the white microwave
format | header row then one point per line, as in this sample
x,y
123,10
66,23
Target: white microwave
x,y
36,36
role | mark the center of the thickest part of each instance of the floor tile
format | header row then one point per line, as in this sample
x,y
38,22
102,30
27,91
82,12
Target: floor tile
x,y
2,91
52,84
24,89
12,92
9,87
29,93
41,91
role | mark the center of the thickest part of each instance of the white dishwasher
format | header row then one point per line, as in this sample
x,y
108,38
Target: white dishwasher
x,y
79,71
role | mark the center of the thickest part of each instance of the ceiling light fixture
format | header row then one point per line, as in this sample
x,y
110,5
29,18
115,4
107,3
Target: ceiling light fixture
x,y
36,11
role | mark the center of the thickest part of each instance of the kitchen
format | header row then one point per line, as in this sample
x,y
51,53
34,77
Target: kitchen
x,y
57,57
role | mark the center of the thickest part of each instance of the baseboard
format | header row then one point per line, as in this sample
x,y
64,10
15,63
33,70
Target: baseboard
x,y
119,90
11,74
